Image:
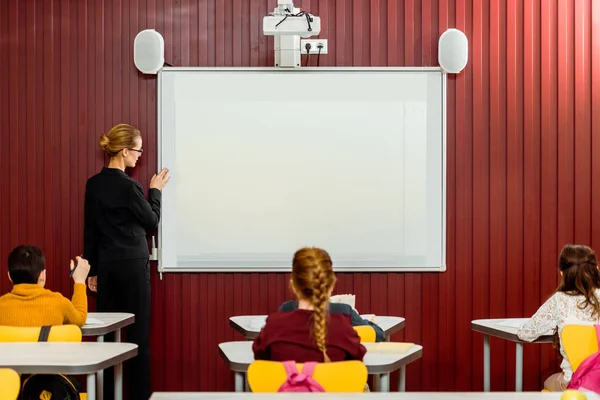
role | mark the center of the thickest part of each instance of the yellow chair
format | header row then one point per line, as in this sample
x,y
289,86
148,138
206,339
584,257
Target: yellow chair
x,y
579,342
340,377
366,333
10,384
58,333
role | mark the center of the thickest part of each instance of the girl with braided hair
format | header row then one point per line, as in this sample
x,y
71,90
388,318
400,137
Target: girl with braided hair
x,y
309,333
576,301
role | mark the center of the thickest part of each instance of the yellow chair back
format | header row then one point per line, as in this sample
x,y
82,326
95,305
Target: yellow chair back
x,y
579,342
366,333
10,384
340,377
58,333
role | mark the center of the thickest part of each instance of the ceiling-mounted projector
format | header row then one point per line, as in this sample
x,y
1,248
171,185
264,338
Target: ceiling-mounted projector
x,y
287,24
292,25
289,20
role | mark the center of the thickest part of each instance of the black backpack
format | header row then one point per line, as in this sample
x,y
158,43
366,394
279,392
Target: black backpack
x,y
49,387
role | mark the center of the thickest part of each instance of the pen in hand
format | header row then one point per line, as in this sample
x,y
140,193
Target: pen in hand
x,y
73,270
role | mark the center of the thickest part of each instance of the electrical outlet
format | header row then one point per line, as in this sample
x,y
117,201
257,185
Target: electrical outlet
x,y
314,46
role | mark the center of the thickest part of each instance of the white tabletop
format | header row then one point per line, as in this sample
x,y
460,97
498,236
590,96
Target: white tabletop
x,y
493,327
366,396
250,325
110,323
239,355
64,358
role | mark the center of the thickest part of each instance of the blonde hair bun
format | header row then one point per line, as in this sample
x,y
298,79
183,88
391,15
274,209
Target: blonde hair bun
x,y
104,142
119,137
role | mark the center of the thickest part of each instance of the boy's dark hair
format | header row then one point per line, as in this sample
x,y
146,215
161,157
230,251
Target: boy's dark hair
x,y
25,264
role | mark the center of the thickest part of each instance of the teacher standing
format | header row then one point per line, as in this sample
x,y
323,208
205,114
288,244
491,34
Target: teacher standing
x,y
117,216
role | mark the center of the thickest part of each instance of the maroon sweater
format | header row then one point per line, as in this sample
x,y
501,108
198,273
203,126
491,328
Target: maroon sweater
x,y
287,336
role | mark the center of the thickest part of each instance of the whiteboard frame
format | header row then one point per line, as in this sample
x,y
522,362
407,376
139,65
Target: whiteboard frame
x,y
443,74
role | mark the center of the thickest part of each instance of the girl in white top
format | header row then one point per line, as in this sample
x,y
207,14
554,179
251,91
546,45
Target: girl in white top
x,y
575,302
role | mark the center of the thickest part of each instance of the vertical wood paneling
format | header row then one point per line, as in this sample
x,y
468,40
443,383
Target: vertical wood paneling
x,y
514,164
464,207
392,31
522,129
498,183
447,321
50,124
220,33
531,180
481,186
429,337
566,142
427,32
549,143
582,120
4,138
11,125
374,34
358,33
595,129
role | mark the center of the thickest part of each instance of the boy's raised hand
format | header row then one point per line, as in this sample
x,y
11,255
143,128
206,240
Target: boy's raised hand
x,y
82,270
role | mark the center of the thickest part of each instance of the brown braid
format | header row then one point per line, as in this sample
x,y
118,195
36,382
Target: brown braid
x,y
313,279
319,301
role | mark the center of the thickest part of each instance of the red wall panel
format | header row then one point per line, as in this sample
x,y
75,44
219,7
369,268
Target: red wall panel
x,y
522,177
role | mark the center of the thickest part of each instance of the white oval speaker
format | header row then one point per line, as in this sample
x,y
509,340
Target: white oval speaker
x,y
149,51
453,51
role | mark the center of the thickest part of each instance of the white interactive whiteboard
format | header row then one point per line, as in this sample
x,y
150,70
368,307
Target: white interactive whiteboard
x,y
268,160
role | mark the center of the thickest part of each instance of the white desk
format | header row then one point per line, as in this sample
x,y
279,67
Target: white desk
x,y
68,358
111,322
357,396
490,327
239,355
250,325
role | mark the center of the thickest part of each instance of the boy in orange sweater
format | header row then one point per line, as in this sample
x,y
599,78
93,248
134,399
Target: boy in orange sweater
x,y
29,304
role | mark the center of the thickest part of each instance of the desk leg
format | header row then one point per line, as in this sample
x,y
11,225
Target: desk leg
x,y
91,386
376,383
379,378
119,372
519,368
402,380
384,383
486,363
119,381
100,376
239,381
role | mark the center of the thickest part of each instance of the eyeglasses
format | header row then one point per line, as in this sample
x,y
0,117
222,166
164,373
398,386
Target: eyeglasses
x,y
139,151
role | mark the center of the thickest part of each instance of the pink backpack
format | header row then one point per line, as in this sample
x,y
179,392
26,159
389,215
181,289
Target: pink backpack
x,y
587,375
300,381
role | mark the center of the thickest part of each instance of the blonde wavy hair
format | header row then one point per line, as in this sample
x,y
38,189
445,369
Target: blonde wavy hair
x,y
313,280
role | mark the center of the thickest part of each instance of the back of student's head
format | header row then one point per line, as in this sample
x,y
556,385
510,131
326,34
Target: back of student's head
x,y
580,275
25,264
313,280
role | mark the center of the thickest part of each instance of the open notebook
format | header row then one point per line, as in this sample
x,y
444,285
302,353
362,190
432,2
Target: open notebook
x,y
93,321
